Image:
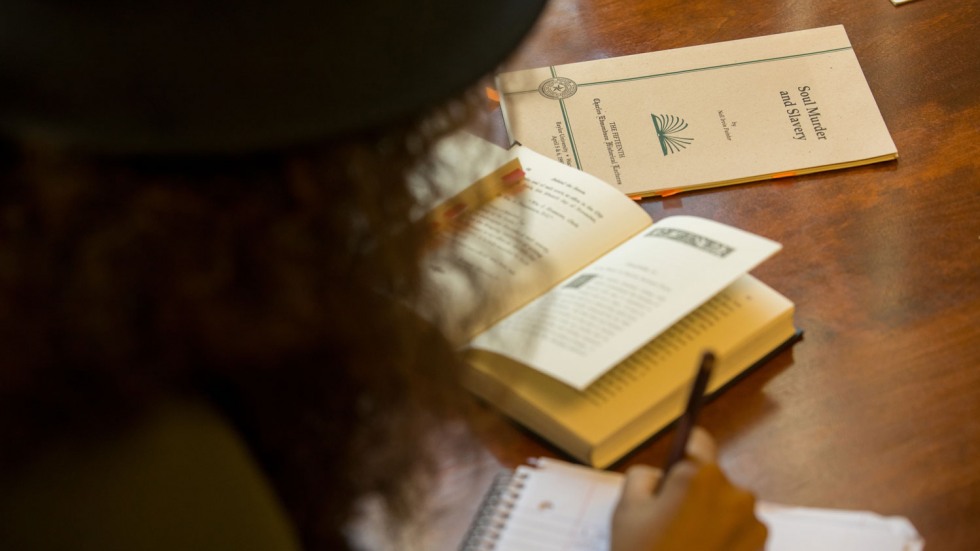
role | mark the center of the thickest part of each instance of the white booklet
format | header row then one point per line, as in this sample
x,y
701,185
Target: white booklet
x,y
711,115
559,506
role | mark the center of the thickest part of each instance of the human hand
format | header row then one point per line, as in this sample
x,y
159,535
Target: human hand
x,y
697,508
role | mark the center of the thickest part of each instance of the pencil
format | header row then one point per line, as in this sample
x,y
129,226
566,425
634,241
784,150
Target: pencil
x,y
687,421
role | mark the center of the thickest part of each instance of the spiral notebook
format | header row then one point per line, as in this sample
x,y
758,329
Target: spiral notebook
x,y
551,505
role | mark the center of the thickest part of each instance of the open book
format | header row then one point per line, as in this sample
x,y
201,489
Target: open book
x,y
597,316
711,115
554,506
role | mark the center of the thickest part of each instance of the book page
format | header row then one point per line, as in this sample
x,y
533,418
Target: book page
x,y
518,246
702,116
600,315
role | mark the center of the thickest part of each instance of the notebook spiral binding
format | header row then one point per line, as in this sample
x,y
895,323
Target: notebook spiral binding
x,y
492,515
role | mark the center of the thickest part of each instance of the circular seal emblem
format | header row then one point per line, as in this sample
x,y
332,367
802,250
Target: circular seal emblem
x,y
558,88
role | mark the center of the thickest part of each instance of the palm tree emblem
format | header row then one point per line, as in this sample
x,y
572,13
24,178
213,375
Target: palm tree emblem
x,y
667,126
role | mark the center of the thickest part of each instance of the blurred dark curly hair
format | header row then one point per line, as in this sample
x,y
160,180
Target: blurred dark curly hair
x,y
257,282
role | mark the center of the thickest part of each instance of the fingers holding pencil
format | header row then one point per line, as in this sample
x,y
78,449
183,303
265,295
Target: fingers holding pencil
x,y
642,480
697,507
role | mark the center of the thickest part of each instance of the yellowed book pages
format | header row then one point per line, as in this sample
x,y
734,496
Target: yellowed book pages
x,y
703,116
645,392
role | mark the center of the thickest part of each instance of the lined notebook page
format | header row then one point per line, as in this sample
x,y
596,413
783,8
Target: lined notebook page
x,y
553,506
559,506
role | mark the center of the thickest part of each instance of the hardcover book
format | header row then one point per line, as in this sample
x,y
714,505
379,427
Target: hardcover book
x,y
595,315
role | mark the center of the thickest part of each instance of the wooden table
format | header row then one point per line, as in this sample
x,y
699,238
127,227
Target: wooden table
x,y
878,408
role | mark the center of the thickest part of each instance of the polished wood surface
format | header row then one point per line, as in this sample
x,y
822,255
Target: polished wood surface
x,y
878,408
